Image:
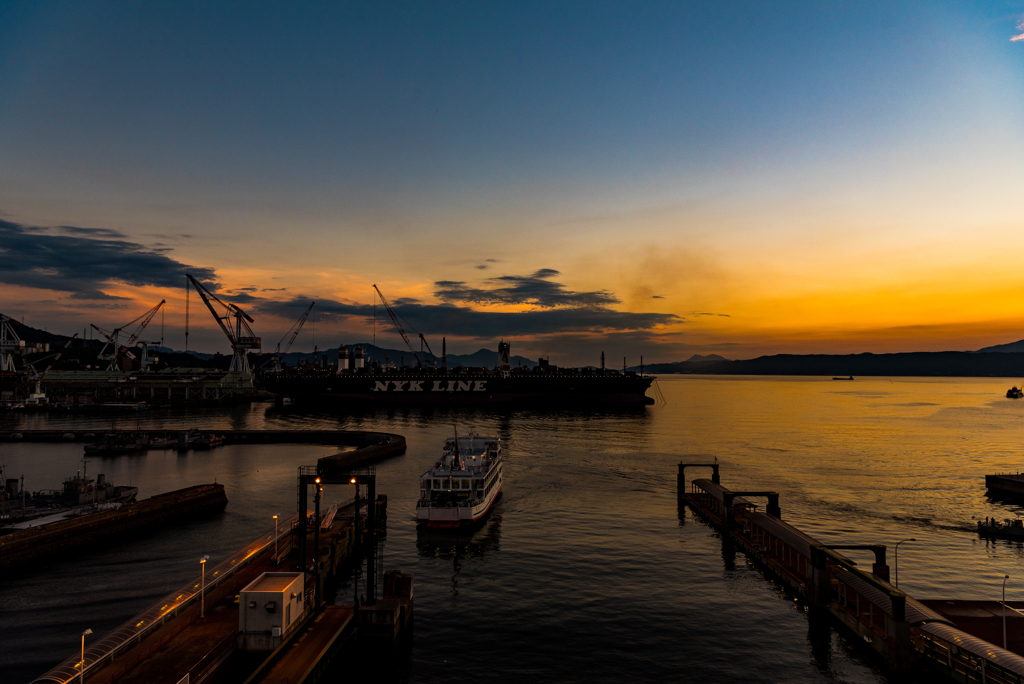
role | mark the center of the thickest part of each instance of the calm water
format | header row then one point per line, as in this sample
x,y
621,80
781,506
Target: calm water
x,y
586,571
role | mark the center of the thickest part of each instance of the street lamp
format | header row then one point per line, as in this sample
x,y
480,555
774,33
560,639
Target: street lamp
x,y
1005,577
81,672
202,587
897,554
275,539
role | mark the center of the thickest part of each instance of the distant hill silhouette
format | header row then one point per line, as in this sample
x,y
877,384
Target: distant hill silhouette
x,y
939,364
1008,348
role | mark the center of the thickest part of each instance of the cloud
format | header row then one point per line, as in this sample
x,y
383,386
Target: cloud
x,y
82,261
1020,25
706,313
106,233
438,319
534,290
656,297
483,267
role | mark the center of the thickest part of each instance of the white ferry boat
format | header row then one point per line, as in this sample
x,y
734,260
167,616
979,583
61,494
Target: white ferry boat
x,y
461,487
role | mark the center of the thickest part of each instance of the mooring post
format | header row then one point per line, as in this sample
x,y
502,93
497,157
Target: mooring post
x,y
371,556
821,595
728,498
316,544
773,505
681,484
714,473
302,521
880,568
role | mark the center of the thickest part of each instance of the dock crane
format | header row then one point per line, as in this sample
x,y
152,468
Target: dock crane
x,y
242,339
10,344
121,348
292,333
401,330
39,397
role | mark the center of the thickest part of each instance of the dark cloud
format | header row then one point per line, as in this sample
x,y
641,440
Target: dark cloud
x,y
491,261
103,233
656,297
448,319
534,290
705,313
239,297
82,261
483,267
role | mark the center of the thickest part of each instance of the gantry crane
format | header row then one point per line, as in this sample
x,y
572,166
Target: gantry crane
x,y
9,344
39,397
243,338
292,333
401,331
119,348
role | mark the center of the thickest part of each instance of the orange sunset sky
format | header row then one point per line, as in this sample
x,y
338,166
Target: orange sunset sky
x,y
657,180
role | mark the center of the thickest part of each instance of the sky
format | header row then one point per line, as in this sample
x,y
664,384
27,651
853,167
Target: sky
x,y
657,179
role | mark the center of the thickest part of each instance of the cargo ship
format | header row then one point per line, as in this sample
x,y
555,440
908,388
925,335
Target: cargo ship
x,y
355,382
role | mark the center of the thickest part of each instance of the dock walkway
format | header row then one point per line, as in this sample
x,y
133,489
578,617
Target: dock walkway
x,y
131,633
911,635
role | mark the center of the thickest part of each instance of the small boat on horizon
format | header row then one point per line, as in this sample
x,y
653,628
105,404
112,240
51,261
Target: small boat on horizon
x,y
463,485
849,378
1014,393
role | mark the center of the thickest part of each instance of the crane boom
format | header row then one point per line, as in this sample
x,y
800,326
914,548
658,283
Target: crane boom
x,y
119,348
297,326
146,318
206,296
398,326
243,338
57,357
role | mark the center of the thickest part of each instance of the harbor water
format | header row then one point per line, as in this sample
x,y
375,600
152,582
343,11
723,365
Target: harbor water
x,y
586,571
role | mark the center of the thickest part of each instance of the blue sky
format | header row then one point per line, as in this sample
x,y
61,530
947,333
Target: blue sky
x,y
645,149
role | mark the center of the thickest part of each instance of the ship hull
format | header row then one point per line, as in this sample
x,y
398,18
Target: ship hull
x,y
436,389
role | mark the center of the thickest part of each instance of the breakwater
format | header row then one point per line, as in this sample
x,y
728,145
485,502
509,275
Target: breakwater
x,y
59,537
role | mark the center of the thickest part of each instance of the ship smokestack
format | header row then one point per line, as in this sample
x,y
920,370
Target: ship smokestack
x,y
342,358
359,358
444,354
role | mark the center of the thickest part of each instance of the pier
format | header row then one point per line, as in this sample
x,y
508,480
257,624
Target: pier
x,y
946,638
369,447
221,624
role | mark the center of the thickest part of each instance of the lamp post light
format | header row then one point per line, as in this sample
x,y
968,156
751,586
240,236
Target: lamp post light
x,y
275,539
897,554
81,670
202,586
1005,577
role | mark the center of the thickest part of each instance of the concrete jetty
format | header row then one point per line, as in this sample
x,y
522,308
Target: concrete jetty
x,y
368,447
31,544
911,635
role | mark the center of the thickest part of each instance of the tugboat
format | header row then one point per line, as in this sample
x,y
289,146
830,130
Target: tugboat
x,y
461,487
208,440
1014,393
116,442
1008,529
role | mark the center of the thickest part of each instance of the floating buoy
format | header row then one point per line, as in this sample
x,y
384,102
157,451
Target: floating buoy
x,y
69,436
